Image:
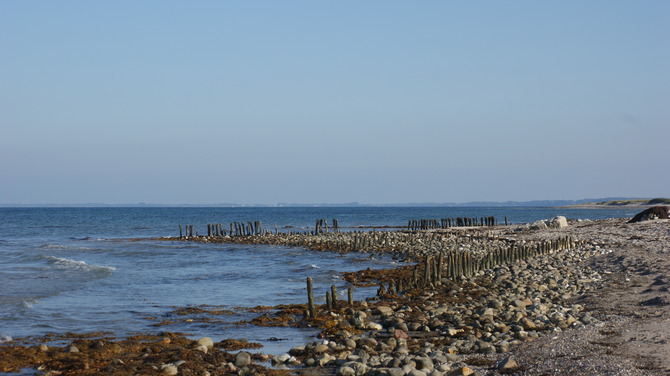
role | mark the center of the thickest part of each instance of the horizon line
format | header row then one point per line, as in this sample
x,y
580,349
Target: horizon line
x,y
549,202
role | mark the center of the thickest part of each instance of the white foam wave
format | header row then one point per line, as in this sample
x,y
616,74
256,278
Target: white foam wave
x,y
60,246
4,338
69,264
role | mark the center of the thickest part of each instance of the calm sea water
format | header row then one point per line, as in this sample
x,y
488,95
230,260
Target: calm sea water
x,y
74,269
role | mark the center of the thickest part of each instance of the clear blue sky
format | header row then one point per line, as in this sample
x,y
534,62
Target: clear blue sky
x,y
333,101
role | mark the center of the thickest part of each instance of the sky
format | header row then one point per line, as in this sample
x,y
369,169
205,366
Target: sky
x,y
374,102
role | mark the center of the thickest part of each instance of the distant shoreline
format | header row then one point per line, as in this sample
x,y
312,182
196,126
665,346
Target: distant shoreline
x,y
623,204
573,204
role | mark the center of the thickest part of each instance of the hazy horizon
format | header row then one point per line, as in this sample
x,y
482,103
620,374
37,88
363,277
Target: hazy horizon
x,y
532,203
309,102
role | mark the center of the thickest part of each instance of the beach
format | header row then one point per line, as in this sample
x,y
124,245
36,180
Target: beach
x,y
593,299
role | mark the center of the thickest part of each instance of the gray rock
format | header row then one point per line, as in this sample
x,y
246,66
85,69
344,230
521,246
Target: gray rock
x,y
424,363
506,363
280,359
452,357
394,371
242,359
558,222
383,310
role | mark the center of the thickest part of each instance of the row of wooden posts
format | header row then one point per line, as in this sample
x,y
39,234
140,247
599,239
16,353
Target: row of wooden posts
x,y
187,231
429,224
321,226
248,229
251,228
331,298
454,264
450,265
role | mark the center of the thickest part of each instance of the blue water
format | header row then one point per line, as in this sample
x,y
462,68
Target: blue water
x,y
75,269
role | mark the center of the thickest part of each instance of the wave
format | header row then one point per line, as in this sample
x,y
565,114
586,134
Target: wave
x,y
28,303
69,264
60,246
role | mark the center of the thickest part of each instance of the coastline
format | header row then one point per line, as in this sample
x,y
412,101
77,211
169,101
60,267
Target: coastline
x,y
630,261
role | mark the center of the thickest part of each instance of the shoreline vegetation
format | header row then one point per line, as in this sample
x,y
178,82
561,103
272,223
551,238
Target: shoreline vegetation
x,y
550,298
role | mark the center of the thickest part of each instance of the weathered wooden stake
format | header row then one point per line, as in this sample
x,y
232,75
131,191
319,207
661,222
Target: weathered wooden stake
x,y
310,298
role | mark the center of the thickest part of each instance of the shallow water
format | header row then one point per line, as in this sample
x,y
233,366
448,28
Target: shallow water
x,y
75,269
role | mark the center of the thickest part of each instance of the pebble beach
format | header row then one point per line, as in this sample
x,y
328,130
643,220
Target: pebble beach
x,y
553,297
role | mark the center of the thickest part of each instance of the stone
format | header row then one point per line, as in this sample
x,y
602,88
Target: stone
x,y
558,222
461,371
206,341
416,372
538,225
655,212
280,359
324,359
424,363
358,367
242,359
383,310
528,324
452,357
373,326
393,371
402,326
506,363
520,303
169,369
345,371
399,334
320,348
72,349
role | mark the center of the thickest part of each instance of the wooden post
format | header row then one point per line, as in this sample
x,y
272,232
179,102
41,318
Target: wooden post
x,y
310,298
329,302
350,296
180,234
333,295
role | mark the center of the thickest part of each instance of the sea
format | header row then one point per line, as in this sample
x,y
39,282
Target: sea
x,y
83,270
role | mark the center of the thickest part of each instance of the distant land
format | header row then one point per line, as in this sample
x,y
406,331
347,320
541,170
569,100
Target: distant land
x,y
584,203
623,203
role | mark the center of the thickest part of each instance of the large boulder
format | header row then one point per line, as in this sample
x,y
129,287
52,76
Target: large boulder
x,y
558,222
655,212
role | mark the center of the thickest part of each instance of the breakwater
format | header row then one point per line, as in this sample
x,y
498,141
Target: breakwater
x,y
480,289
